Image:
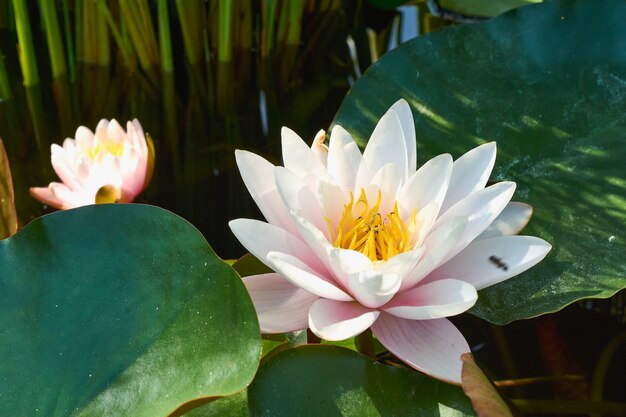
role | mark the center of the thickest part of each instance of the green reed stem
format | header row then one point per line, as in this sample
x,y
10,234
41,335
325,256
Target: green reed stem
x,y
189,28
165,40
69,45
296,10
121,44
102,39
53,35
132,19
78,30
25,41
5,85
224,43
267,27
148,30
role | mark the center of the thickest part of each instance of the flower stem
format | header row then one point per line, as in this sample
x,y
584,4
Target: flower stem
x,y
365,344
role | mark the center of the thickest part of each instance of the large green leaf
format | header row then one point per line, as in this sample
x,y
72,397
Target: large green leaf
x,y
120,310
548,83
320,380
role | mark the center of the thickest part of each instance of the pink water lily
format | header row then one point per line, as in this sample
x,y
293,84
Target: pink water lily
x,y
110,165
362,241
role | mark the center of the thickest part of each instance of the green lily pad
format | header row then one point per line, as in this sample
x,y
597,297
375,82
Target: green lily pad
x,y
548,83
322,380
8,216
119,310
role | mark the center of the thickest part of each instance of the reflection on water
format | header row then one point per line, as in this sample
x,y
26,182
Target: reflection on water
x,y
195,137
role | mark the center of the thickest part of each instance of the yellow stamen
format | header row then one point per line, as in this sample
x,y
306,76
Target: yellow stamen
x,y
363,228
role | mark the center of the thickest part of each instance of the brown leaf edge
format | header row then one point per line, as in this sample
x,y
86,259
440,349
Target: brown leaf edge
x,y
483,395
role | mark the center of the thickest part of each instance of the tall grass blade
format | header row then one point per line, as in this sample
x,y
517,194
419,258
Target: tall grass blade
x,y
28,61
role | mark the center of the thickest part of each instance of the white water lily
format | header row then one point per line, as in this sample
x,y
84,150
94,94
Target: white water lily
x,y
362,241
110,165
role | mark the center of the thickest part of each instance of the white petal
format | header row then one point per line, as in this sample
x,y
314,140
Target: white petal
x,y
297,156
434,300
470,173
303,276
387,145
430,346
510,221
259,238
373,288
319,148
345,262
401,264
437,246
332,199
344,159
64,167
258,176
402,109
387,181
280,306
298,196
486,262
336,320
428,185
480,208
84,136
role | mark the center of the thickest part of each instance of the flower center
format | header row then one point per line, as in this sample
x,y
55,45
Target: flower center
x,y
105,147
377,235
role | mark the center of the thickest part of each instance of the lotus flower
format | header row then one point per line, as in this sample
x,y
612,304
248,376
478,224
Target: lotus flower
x,y
362,241
109,166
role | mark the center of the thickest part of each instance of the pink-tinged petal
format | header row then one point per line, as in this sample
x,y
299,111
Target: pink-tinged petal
x,y
346,262
319,148
387,181
401,264
258,176
470,173
510,221
344,159
403,110
64,167
303,276
332,199
260,238
480,208
280,306
434,300
387,145
426,186
297,156
298,196
430,346
486,262
84,137
373,288
115,131
336,320
425,219
46,196
319,244
437,246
